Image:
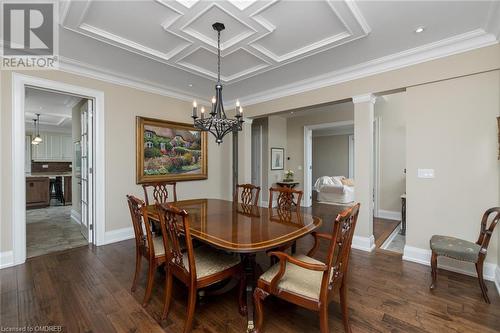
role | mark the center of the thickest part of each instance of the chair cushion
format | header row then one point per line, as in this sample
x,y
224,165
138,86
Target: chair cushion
x,y
158,246
209,261
455,248
296,279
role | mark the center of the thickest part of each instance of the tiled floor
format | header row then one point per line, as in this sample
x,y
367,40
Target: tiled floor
x,y
51,229
397,244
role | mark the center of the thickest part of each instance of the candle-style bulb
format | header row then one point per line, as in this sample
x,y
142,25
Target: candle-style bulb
x,y
241,110
213,100
237,103
194,104
202,109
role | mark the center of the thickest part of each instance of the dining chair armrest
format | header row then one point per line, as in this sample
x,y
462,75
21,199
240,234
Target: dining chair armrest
x,y
317,236
284,258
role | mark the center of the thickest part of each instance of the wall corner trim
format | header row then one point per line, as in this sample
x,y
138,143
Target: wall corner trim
x,y
362,243
117,235
364,98
497,279
423,257
6,259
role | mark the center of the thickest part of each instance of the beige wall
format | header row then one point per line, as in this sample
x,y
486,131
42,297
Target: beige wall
x,y
122,105
391,112
277,138
330,156
452,129
295,133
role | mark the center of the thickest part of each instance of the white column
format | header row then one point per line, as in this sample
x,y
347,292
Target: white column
x,y
363,170
245,153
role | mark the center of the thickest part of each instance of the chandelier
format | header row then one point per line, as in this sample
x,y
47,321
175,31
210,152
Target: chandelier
x,y
37,139
217,122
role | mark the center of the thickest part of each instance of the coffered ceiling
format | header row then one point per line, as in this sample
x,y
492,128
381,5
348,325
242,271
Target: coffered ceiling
x,y
267,47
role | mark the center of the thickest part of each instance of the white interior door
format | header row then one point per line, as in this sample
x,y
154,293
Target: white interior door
x,y
87,170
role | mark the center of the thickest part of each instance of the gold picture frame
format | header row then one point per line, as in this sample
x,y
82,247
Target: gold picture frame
x,y
169,151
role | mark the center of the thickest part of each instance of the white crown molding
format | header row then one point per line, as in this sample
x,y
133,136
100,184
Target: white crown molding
x,y
423,256
454,45
94,72
364,98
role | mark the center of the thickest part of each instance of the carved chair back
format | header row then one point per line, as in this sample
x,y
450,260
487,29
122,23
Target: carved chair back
x,y
492,215
339,249
174,225
160,191
249,194
288,199
142,228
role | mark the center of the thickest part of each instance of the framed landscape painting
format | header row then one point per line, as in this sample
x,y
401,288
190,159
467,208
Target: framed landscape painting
x,y
169,151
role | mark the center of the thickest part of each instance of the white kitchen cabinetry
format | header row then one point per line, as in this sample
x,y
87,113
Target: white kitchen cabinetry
x,y
54,147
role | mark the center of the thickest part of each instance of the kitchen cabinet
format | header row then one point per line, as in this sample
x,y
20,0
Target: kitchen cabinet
x,y
54,147
37,192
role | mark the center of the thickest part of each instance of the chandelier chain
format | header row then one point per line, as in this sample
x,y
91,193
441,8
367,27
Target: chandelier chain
x,y
218,56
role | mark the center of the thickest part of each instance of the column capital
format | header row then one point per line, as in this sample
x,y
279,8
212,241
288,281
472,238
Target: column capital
x,y
364,98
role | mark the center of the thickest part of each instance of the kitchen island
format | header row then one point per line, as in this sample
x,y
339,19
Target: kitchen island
x,y
38,191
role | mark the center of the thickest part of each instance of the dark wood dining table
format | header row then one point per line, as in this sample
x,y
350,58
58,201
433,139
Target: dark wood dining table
x,y
243,229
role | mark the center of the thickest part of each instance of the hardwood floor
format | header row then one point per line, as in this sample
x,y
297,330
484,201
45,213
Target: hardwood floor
x,y
88,290
382,228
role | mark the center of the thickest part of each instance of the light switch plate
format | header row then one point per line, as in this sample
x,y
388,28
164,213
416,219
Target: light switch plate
x,y
425,173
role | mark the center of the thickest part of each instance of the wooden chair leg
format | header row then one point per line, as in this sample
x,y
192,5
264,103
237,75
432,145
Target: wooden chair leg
x,y
149,286
434,270
138,260
168,294
343,304
259,296
323,319
294,247
190,310
482,285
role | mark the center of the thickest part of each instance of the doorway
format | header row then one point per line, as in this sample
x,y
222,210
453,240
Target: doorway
x,y
340,128
93,192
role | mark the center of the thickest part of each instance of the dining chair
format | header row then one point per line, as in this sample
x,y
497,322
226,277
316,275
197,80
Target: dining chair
x,y
287,200
197,267
249,194
463,250
160,191
308,282
147,244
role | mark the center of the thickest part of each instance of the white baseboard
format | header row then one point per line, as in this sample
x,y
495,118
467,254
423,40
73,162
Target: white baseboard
x,y
391,237
423,256
363,243
118,235
497,279
389,215
6,259
75,216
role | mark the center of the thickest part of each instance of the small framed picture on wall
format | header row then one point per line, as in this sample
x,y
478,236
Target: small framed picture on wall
x,y
277,158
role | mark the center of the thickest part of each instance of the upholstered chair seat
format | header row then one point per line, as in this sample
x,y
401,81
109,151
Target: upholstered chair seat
x,y
297,280
209,261
463,250
455,248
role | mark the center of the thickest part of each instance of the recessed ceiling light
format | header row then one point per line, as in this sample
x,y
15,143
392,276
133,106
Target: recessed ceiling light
x,y
190,85
419,30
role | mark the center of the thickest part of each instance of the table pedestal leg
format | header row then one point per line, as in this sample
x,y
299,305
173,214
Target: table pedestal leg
x,y
250,267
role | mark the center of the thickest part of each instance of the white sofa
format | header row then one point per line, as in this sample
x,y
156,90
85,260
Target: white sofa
x,y
331,189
